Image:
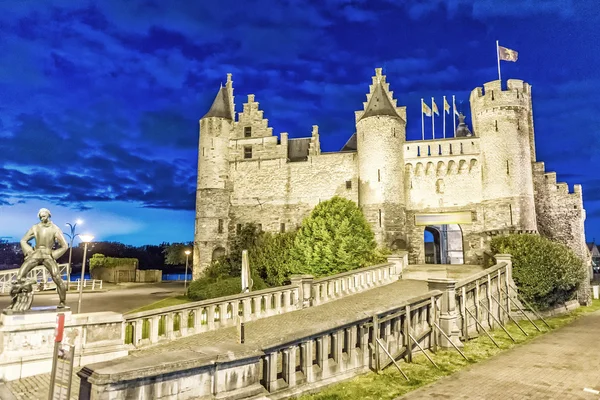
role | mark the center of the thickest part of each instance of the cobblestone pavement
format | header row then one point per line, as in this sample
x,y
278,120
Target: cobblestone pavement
x,y
557,365
260,332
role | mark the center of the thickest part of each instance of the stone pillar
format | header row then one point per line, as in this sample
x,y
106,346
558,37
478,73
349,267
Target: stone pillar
x,y
448,315
398,261
304,284
508,283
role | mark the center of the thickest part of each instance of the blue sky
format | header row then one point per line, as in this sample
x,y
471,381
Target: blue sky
x,y
100,101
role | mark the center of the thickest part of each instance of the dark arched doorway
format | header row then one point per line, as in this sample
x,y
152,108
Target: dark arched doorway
x,y
218,252
443,244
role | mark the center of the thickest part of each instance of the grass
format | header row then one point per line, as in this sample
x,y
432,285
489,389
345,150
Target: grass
x,y
166,302
390,384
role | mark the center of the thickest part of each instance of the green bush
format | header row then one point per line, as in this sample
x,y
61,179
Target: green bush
x,y
100,260
270,257
210,288
547,273
334,238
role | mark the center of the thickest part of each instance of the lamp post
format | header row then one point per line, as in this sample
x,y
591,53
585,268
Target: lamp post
x,y
187,256
85,239
71,236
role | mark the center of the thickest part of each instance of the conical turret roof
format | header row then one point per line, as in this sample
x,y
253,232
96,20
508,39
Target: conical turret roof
x,y
221,106
379,103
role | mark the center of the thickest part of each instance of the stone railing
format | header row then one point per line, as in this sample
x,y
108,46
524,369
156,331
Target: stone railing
x,y
312,358
28,340
485,297
168,323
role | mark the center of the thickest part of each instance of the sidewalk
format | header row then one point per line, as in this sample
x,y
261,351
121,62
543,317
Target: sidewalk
x,y
556,365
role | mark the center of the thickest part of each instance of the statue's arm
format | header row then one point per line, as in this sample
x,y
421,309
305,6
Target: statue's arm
x,y
63,246
27,249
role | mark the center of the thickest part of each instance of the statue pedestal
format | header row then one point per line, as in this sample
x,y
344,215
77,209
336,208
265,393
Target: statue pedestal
x,y
37,315
27,339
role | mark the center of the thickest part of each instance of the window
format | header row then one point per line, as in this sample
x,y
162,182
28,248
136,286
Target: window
x,y
238,228
348,184
282,227
247,151
378,175
507,168
379,217
220,230
247,131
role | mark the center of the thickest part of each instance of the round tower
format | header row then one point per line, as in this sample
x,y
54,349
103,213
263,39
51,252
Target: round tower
x,y
503,121
380,135
213,186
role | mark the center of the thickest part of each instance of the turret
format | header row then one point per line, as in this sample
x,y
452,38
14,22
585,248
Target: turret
x,y
380,134
503,121
213,189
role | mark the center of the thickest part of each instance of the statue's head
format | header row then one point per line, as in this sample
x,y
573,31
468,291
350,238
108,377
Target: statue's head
x,y
44,215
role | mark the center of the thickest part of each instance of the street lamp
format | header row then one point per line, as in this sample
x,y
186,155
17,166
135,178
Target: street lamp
x,y
85,239
187,256
71,238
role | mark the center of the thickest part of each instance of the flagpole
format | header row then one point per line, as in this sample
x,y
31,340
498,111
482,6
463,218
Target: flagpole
x,y
454,115
498,57
432,120
422,122
444,113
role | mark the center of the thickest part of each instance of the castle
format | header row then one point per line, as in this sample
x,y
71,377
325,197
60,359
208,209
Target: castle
x,y
462,189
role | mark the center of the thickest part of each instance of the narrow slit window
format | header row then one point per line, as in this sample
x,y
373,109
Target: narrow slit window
x,y
379,217
248,131
282,227
378,175
348,184
507,168
238,228
220,228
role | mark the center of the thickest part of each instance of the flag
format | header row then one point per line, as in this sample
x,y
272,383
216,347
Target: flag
x,y
434,106
456,112
506,54
446,106
426,110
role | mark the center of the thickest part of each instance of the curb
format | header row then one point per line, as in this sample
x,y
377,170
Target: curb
x,y
5,393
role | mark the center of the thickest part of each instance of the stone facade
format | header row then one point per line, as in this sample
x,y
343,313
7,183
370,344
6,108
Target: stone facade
x,y
487,182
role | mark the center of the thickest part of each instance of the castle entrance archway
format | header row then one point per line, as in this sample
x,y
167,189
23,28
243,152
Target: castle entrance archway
x,y
443,244
443,238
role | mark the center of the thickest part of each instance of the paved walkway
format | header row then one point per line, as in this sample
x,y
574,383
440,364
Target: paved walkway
x,y
557,365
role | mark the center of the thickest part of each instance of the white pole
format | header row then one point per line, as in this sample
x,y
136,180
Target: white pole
x,y
454,114
422,121
187,257
498,56
82,277
432,120
444,113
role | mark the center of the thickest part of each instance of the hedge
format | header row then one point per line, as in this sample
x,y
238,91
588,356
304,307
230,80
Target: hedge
x,y
100,260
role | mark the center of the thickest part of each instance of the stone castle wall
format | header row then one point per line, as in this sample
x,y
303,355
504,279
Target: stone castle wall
x,y
246,175
272,192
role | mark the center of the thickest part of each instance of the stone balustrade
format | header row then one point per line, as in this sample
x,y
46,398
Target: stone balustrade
x,y
168,323
27,346
322,354
153,326
485,297
347,283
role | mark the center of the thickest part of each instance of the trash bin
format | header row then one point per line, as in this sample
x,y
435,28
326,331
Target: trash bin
x,y
596,292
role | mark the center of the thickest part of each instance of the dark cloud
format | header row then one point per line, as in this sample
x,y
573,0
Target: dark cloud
x,y
100,101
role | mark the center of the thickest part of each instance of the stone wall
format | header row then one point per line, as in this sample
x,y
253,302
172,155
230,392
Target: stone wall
x,y
275,192
561,217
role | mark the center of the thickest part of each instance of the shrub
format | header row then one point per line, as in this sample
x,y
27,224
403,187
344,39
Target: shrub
x,y
270,257
547,273
100,260
210,288
334,238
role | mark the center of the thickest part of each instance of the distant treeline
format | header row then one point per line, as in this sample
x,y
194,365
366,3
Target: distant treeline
x,y
149,256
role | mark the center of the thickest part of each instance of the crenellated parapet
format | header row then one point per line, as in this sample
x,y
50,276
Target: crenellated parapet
x,y
517,94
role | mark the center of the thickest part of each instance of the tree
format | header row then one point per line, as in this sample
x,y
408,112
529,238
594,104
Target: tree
x,y
334,238
547,273
175,253
270,257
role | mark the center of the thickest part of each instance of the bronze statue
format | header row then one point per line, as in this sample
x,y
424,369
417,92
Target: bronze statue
x,y
46,234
